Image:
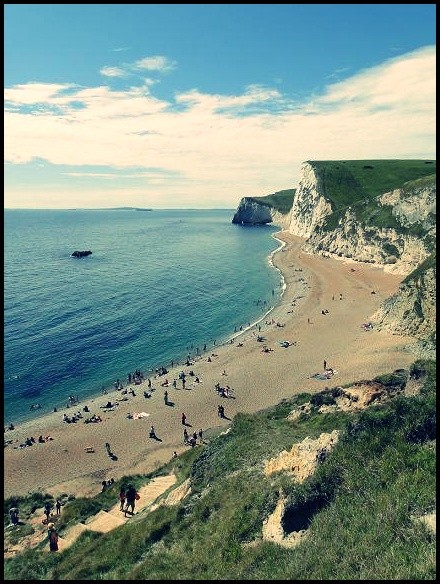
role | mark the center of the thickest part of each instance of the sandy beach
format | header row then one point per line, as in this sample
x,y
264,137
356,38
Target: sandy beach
x,y
258,379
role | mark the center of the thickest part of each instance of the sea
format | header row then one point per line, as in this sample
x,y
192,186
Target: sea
x,y
159,285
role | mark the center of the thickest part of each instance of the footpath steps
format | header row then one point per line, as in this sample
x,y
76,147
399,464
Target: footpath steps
x,y
105,521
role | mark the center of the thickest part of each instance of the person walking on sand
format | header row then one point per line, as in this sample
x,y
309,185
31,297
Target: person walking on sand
x,y
201,435
52,536
165,397
183,419
185,436
58,506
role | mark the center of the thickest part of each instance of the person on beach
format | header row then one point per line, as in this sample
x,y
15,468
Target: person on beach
x,y
152,432
58,506
183,419
165,397
201,435
52,536
130,497
185,436
122,497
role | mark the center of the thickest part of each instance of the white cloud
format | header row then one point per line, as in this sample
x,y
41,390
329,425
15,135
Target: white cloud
x,y
112,72
155,64
211,150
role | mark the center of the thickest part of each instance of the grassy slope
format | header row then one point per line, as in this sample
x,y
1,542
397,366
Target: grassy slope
x,y
358,505
281,201
357,183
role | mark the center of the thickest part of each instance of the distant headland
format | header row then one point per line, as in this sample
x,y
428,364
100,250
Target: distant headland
x,y
111,209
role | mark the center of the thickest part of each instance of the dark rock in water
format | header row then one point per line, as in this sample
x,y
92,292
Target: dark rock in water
x,y
81,254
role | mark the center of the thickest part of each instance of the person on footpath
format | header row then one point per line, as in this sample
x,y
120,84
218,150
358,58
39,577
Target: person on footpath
x,y
130,496
122,497
52,536
47,510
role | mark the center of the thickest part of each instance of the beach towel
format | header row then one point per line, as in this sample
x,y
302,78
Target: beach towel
x,y
140,415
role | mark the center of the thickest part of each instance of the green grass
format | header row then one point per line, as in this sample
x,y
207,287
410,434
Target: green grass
x,y
359,505
357,184
281,201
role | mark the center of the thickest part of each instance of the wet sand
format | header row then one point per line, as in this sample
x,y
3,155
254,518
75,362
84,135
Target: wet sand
x,y
258,379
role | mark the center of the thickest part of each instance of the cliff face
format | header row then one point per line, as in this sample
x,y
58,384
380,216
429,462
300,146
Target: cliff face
x,y
396,250
310,207
413,309
250,212
399,248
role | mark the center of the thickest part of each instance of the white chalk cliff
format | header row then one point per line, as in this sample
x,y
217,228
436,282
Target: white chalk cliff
x,y
396,252
251,212
400,249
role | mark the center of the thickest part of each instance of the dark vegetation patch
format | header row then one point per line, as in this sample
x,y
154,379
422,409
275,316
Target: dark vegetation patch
x,y
299,518
281,201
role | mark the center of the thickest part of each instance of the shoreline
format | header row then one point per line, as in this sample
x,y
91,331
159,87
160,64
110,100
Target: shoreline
x,y
258,380
178,361
149,370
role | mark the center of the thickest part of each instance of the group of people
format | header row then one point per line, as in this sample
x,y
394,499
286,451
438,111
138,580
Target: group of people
x,y
128,497
192,441
49,506
31,440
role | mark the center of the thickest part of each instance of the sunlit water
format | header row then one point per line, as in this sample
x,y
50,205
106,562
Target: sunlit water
x,y
158,285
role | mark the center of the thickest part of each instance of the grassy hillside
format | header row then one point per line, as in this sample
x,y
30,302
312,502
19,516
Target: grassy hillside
x,y
357,184
281,201
359,507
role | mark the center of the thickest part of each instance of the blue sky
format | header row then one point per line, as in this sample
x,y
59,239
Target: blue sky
x,y
199,105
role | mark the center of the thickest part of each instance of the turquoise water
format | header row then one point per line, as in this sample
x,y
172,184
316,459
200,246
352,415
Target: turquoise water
x,y
158,285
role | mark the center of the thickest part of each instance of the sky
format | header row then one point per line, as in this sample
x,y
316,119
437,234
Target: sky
x,y
199,105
